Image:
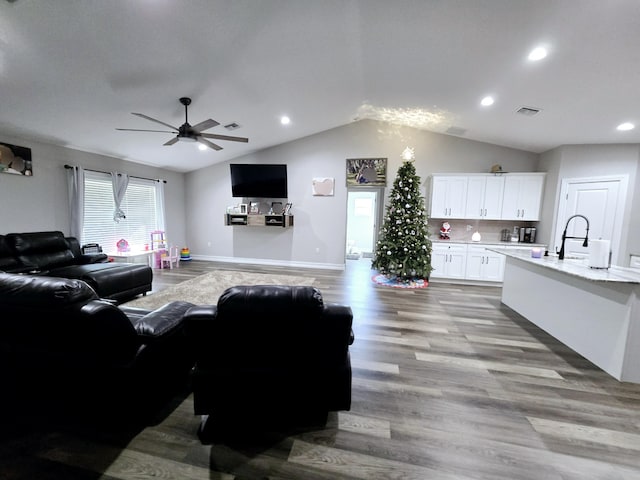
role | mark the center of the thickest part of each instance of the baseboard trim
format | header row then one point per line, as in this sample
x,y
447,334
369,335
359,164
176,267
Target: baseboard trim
x,y
270,262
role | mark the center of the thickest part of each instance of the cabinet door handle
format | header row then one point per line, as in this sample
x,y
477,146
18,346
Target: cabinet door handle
x,y
523,213
485,212
487,260
482,262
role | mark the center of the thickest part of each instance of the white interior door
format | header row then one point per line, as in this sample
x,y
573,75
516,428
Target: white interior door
x,y
362,222
601,201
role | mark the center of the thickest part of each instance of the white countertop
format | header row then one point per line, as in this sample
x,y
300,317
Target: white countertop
x,y
576,268
489,242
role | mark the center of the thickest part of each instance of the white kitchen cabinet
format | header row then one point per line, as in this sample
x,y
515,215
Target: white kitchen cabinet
x,y
522,196
448,260
484,265
448,196
484,197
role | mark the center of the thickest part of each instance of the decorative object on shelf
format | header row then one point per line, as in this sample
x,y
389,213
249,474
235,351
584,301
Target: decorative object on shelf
x,y
15,159
185,254
242,208
366,172
536,252
122,246
403,250
476,237
276,208
287,209
254,207
323,186
496,168
445,231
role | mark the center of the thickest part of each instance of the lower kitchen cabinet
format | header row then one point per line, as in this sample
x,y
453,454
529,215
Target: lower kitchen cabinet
x,y
448,260
484,265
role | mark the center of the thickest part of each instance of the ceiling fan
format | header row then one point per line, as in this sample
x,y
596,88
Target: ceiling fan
x,y
187,132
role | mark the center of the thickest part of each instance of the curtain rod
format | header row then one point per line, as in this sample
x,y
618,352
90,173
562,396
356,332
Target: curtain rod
x,y
131,176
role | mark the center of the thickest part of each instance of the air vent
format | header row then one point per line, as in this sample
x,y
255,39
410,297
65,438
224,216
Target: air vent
x,y
528,111
456,131
232,126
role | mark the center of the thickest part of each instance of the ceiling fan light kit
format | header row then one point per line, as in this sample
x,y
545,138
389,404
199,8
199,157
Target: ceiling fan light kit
x,y
187,132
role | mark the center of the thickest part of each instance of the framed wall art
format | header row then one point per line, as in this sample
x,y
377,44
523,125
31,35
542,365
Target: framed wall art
x,y
322,186
15,160
366,172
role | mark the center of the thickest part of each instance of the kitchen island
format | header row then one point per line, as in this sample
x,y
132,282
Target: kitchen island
x,y
595,312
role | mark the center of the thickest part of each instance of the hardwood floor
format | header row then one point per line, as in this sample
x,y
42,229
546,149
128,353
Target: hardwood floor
x,y
447,384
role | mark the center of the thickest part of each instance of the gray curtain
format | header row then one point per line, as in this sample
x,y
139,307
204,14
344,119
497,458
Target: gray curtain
x,y
75,184
120,183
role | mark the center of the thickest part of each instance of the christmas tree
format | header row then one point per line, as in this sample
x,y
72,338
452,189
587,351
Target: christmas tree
x,y
403,249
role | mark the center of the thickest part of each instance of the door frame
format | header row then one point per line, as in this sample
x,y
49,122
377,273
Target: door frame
x,y
618,223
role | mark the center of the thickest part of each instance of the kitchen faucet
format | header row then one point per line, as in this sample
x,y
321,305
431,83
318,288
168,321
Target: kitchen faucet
x,y
564,235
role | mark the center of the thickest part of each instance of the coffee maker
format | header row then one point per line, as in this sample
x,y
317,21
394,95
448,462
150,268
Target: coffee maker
x,y
528,234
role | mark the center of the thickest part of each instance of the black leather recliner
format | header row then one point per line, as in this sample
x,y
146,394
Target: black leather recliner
x,y
269,350
61,344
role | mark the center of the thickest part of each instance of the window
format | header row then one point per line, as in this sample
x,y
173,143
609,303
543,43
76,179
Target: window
x,y
141,205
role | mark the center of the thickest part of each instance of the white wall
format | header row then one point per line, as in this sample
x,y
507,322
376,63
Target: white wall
x,y
585,161
319,235
40,202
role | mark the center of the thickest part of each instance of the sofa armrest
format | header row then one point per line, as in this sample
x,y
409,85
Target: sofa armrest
x,y
87,258
160,323
199,321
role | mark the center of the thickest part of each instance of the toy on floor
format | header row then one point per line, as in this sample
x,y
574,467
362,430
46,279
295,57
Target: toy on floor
x,y
185,255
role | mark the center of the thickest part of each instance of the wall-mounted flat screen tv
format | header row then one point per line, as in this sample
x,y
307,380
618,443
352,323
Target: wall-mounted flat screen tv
x,y
258,180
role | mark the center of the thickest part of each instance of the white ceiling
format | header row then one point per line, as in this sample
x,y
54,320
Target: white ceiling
x,y
72,71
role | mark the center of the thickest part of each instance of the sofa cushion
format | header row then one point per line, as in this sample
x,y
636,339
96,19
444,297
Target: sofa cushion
x,y
41,250
16,289
270,300
8,261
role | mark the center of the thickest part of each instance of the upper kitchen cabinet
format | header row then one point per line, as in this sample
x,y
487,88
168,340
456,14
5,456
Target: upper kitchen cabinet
x,y
484,197
522,196
448,196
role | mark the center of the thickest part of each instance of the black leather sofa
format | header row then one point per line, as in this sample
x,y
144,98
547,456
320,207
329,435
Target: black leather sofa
x,y
61,345
53,254
269,352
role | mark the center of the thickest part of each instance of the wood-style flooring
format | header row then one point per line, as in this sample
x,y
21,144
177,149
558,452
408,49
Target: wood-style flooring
x,y
448,383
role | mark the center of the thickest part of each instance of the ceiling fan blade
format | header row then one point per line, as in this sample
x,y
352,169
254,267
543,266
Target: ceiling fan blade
x,y
172,141
154,120
137,130
208,143
224,137
205,125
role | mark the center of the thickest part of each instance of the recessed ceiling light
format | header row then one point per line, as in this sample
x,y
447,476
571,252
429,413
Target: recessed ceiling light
x,y
202,147
626,126
537,53
284,120
486,101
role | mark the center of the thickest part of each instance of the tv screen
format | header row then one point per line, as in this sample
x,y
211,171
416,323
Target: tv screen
x,y
258,180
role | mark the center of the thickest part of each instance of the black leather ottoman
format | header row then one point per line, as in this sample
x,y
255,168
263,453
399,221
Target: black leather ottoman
x,y
117,281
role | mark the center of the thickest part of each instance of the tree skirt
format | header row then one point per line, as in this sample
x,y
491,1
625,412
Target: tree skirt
x,y
395,282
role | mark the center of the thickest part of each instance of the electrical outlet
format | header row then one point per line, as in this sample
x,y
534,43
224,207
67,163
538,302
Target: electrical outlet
x,y
208,244
317,249
469,228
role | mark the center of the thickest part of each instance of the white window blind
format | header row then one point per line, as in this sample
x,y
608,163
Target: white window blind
x,y
140,205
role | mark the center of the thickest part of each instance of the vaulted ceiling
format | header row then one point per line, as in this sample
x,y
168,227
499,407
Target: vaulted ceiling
x,y
73,71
